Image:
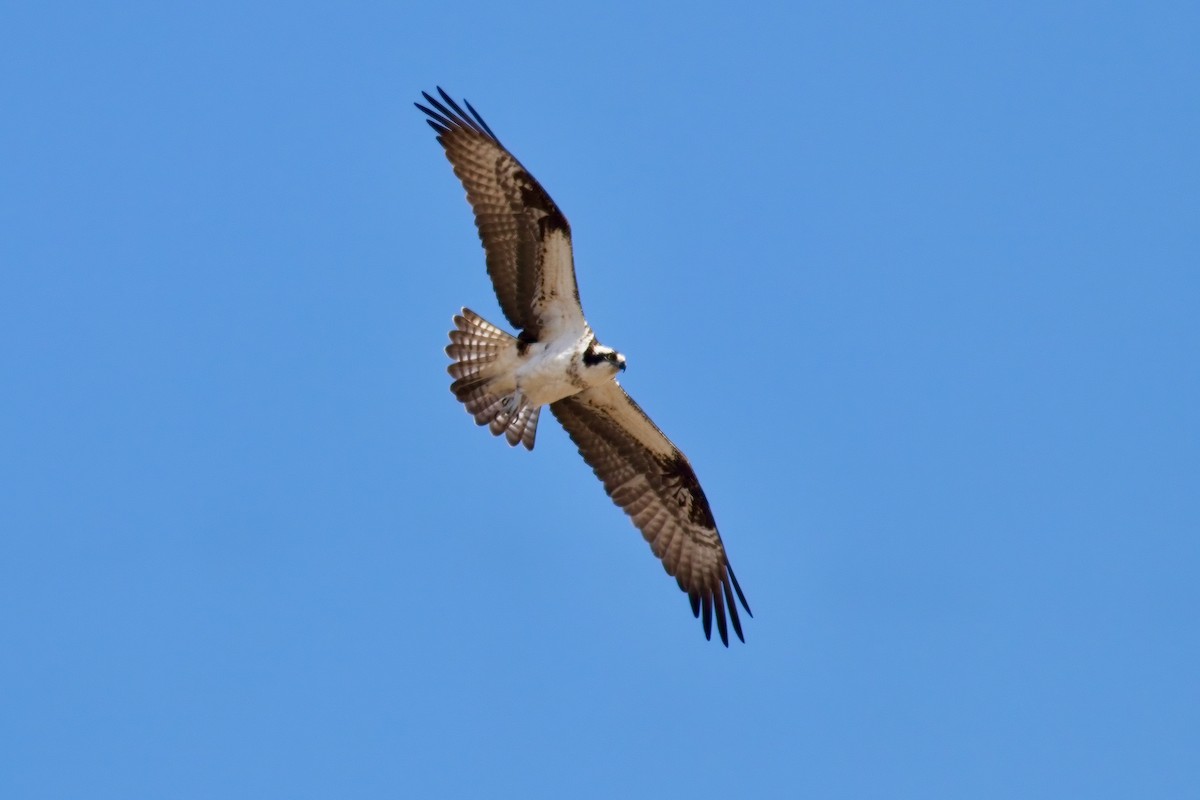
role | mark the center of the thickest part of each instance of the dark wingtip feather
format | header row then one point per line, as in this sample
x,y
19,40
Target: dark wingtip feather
x,y
446,114
480,120
722,625
447,118
738,589
733,612
463,117
435,120
716,604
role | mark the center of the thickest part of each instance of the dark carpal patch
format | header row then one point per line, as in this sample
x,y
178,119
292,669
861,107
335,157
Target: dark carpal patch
x,y
680,480
534,196
553,222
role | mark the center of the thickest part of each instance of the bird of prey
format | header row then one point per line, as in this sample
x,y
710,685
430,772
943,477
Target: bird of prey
x,y
556,360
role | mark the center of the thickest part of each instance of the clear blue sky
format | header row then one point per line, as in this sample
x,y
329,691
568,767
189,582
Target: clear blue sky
x,y
915,286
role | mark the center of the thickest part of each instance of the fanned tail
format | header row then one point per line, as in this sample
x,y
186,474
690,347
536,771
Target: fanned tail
x,y
484,357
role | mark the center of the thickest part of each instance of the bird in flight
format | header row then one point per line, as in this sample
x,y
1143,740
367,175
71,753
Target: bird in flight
x,y
556,360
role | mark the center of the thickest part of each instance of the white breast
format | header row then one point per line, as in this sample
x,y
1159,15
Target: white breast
x,y
553,370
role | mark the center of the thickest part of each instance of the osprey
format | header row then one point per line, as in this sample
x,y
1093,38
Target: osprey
x,y
556,360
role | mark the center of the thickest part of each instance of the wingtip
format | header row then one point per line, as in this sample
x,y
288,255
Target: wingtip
x,y
737,588
719,612
449,115
731,604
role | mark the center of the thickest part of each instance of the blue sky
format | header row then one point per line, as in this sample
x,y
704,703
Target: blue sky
x,y
914,285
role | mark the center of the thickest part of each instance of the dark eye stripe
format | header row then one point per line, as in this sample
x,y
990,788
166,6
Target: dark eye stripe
x,y
591,357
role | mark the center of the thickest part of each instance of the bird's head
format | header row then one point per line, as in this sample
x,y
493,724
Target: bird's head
x,y
597,356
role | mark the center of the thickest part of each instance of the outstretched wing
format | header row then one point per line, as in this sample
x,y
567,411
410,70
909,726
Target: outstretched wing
x,y
526,238
648,477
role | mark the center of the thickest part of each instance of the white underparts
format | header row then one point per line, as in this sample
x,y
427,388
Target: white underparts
x,y
504,382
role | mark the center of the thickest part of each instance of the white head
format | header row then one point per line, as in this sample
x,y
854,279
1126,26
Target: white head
x,y
597,356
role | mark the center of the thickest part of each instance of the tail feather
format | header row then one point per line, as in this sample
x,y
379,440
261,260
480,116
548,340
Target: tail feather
x,y
521,427
474,344
479,351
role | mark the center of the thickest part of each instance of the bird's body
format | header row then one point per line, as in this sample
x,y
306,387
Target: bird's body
x,y
556,361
